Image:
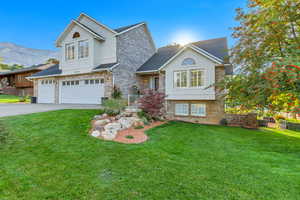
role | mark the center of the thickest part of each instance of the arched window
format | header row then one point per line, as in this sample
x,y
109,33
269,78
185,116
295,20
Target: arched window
x,y
188,61
76,35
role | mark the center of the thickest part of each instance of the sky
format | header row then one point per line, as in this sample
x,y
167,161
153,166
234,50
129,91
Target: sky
x,y
37,23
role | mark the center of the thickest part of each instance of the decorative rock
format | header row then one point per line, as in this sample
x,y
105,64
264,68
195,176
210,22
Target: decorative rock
x,y
132,110
113,126
104,115
127,122
97,117
99,128
109,134
101,122
96,133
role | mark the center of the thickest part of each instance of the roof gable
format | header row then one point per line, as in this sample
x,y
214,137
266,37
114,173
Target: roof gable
x,y
70,27
214,49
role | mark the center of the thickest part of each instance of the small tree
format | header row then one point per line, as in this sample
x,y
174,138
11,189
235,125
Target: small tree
x,y
152,103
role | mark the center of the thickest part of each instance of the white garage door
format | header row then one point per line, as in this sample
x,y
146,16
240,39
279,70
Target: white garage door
x,y
46,92
88,91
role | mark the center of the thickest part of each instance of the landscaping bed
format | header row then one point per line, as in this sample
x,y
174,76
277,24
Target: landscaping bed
x,y
51,156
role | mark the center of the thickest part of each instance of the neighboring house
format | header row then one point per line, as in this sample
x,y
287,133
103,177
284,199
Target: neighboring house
x,y
94,58
15,82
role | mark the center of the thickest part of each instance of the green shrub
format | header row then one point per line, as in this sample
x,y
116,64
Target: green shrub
x,y
129,137
114,104
111,112
138,127
143,115
116,94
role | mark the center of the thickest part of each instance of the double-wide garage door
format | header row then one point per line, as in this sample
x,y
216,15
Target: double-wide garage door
x,y
89,91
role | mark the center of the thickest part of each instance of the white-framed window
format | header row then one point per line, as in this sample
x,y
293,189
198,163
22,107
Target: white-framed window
x,y
198,110
196,78
70,51
180,79
188,61
83,49
182,109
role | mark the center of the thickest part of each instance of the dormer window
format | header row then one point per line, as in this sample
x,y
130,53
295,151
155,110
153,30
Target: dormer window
x,y
188,61
83,49
76,35
70,51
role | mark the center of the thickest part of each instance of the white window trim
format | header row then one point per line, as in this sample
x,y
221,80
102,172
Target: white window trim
x,y
198,114
181,113
189,78
80,58
66,51
204,79
175,81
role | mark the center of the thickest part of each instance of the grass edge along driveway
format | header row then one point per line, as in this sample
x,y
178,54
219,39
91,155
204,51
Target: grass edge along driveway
x,y
12,99
50,156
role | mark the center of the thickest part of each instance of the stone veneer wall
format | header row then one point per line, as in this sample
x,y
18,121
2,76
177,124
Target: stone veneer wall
x,y
246,121
215,110
108,82
133,49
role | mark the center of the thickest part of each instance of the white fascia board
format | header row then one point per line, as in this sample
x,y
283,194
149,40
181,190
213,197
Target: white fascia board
x,y
59,75
198,50
62,34
78,24
94,34
147,72
94,20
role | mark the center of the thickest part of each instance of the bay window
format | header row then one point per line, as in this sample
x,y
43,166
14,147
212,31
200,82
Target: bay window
x,y
70,51
83,49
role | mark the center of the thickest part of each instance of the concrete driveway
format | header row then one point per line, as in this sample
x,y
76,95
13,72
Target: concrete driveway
x,y
20,109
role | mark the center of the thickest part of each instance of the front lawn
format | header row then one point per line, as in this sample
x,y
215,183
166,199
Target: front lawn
x,y
50,156
12,99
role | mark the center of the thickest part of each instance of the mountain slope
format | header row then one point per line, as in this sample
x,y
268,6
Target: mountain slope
x,y
16,54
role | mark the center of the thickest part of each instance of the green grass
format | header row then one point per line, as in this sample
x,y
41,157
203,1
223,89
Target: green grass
x,y
50,156
11,98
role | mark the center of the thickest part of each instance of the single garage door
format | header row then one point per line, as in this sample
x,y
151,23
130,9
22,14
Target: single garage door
x,y
89,91
46,91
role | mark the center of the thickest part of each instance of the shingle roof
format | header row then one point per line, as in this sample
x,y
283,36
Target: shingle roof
x,y
27,69
217,47
54,70
121,29
162,55
105,66
88,28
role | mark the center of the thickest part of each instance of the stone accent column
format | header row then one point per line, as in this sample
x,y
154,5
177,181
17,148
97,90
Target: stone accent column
x,y
56,90
35,87
162,81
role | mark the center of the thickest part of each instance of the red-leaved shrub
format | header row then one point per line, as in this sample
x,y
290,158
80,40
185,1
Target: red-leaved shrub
x,y
152,103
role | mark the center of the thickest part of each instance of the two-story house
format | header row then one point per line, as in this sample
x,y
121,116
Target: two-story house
x,y
95,57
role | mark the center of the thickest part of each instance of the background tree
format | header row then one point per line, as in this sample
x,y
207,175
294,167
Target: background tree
x,y
52,60
266,56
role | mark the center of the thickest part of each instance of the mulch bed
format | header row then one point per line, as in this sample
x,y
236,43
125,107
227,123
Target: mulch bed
x,y
139,135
